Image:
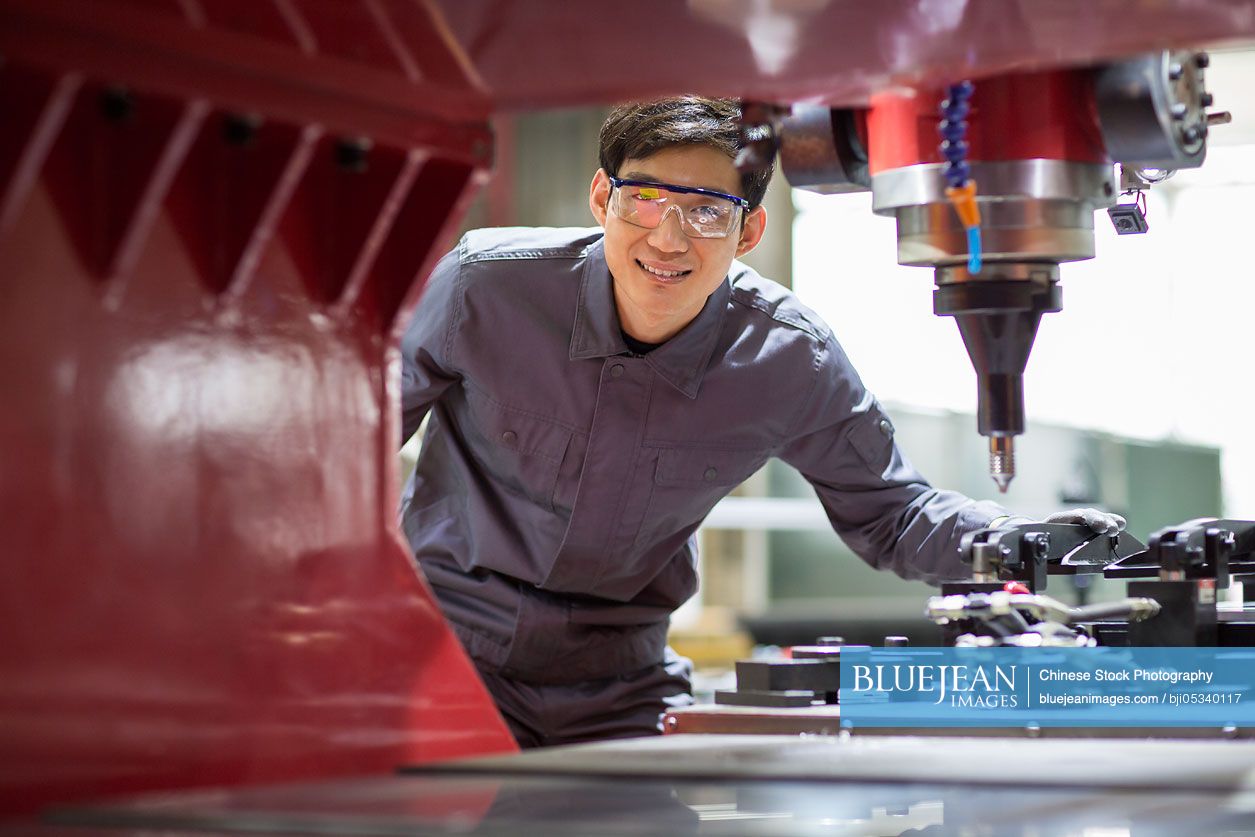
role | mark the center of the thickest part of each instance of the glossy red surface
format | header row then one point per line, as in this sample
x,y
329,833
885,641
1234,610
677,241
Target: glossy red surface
x,y
1046,115
836,51
202,581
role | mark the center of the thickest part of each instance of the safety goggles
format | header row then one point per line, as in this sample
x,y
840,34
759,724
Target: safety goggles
x,y
703,213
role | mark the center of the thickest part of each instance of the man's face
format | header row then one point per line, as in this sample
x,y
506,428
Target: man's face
x,y
662,277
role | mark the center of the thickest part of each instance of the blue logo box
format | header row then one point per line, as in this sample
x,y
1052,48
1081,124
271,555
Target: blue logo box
x,y
1047,687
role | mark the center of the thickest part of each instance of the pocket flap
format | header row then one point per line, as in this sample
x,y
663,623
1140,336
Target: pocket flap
x,y
518,430
695,466
871,435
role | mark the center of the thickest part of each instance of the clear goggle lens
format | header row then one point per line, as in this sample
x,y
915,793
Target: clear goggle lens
x,y
702,214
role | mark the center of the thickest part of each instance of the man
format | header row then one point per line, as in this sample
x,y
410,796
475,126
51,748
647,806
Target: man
x,y
593,393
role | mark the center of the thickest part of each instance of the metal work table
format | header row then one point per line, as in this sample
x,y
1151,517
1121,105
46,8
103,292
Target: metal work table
x,y
749,785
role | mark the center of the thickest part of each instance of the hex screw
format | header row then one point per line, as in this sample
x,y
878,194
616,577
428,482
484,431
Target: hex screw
x,y
240,129
117,104
351,154
1202,61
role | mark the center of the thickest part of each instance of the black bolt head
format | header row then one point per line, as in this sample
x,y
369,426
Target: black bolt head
x,y
240,129
351,154
117,104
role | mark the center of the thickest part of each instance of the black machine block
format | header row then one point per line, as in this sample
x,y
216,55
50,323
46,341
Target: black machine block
x,y
1187,615
789,675
754,697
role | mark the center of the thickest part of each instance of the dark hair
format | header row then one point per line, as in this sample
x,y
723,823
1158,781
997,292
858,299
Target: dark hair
x,y
639,129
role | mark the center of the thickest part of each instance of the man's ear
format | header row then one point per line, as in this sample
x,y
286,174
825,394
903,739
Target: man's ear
x,y
752,231
599,196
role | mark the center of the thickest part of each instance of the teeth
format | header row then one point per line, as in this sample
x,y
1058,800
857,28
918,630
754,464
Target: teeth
x,y
665,274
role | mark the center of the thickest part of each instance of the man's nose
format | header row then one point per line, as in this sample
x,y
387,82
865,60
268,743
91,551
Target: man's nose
x,y
669,235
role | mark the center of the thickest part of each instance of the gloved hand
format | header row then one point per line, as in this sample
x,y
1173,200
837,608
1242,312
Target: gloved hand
x,y
1104,523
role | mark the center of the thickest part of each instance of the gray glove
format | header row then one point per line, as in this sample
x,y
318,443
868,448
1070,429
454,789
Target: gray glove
x,y
1104,523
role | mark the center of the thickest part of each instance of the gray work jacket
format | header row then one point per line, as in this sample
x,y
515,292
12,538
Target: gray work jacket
x,y
562,478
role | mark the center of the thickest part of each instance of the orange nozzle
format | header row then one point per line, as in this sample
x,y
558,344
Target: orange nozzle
x,y
964,200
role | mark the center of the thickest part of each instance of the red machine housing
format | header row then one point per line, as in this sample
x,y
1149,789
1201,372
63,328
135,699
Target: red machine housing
x,y
209,244
1023,116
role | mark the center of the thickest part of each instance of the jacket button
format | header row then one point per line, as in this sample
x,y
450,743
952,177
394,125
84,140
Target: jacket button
x,y
886,427
616,370
509,437
710,474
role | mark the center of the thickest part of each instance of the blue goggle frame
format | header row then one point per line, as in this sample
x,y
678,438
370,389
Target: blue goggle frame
x,y
682,190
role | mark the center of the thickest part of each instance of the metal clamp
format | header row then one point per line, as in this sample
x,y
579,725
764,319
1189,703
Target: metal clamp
x,y
1029,552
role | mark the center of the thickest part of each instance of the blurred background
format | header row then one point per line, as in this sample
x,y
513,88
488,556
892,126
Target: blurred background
x,y
1137,393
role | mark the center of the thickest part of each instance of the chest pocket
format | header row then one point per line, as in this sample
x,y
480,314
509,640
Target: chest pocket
x,y
687,484
521,451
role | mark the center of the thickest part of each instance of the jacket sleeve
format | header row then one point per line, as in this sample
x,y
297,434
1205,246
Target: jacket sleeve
x,y
883,509
427,367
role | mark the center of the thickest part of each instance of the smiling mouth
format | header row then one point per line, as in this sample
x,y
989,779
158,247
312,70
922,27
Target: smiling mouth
x,y
663,275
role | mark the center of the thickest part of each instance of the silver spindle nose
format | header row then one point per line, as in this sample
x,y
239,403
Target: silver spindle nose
x,y
1002,461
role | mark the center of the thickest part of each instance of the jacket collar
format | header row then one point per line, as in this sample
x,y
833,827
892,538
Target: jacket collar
x,y
681,361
